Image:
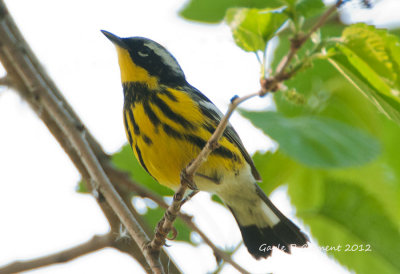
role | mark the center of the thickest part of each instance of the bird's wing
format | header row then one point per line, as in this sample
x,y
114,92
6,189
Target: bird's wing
x,y
215,115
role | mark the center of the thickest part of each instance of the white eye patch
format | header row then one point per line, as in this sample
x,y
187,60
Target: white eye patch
x,y
143,54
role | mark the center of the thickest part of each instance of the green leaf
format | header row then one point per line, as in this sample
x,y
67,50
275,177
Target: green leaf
x,y
387,106
308,8
81,187
367,72
126,160
210,11
381,178
370,59
341,214
154,215
253,28
317,141
376,47
325,92
217,199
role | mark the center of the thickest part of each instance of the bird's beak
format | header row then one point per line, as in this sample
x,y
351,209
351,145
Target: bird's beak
x,y
114,38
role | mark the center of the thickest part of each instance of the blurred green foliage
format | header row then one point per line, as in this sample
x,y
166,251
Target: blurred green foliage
x,y
337,126
210,11
316,141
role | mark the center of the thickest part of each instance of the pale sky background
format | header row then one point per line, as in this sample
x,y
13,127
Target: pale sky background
x,y
41,213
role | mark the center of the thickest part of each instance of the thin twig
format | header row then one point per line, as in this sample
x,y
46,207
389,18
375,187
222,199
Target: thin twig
x,y
222,264
212,143
218,252
125,182
94,244
298,41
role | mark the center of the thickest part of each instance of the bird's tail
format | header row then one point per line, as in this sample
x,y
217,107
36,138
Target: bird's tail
x,y
263,227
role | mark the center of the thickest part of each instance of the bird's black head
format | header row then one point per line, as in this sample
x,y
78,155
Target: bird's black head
x,y
143,60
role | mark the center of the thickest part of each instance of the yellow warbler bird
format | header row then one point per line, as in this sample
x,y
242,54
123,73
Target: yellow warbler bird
x,y
168,122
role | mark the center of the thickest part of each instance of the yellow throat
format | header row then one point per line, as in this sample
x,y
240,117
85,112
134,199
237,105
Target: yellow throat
x,y
130,72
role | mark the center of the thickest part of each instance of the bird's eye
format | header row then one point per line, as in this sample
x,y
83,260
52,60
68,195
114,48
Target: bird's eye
x,y
144,52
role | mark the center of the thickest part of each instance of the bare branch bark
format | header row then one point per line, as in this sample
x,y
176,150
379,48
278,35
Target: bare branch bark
x,y
94,244
98,175
32,82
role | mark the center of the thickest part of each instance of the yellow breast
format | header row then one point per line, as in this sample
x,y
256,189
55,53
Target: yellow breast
x,y
167,131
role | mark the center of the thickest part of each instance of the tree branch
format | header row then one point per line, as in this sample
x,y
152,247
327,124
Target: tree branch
x,y
94,244
98,175
31,80
5,82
